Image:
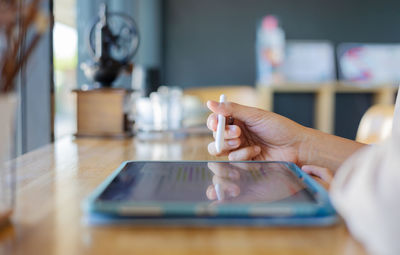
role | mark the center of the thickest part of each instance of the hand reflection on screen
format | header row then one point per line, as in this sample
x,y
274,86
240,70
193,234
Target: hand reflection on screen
x,y
251,182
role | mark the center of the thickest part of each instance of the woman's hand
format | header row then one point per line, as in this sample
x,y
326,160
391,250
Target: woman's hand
x,y
261,135
257,134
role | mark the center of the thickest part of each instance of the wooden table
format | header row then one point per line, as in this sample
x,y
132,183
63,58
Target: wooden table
x,y
53,181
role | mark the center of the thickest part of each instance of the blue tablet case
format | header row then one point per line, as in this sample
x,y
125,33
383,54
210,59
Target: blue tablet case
x,y
166,214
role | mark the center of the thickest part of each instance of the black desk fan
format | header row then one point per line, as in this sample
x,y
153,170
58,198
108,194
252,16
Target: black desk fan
x,y
113,40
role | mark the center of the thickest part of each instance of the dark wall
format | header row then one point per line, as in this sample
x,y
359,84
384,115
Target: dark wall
x,y
211,42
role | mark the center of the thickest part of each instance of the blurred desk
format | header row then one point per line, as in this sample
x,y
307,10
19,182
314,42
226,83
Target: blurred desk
x,y
53,181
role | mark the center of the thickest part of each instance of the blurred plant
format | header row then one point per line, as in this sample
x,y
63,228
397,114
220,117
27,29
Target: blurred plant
x,y
17,19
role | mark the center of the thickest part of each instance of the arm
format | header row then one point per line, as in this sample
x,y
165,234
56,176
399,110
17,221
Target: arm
x,y
329,151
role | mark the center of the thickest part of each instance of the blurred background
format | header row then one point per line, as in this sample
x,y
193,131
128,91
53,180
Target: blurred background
x,y
340,55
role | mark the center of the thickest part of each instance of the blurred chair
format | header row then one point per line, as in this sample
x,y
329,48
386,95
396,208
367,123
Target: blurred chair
x,y
376,124
245,95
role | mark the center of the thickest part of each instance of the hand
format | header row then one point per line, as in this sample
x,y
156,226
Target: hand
x,y
257,134
250,182
322,175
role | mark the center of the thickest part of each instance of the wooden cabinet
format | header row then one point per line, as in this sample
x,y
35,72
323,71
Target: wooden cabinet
x,y
101,112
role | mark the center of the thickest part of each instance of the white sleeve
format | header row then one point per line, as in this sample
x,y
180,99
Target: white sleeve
x,y
366,193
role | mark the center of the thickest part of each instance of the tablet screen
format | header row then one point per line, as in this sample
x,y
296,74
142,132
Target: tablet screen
x,y
244,182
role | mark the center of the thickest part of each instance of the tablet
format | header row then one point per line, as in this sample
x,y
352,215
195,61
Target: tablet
x,y
211,192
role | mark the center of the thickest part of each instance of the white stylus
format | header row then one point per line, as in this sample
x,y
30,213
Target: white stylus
x,y
219,138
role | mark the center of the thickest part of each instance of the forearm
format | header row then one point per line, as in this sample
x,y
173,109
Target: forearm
x,y
326,150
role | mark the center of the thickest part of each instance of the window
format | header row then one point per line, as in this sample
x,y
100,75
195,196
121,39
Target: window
x,y
65,63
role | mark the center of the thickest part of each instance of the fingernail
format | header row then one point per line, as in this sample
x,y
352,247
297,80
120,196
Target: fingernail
x,y
257,149
232,130
232,142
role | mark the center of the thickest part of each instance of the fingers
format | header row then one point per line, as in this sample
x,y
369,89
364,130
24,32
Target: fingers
x,y
212,122
229,188
211,193
237,111
324,173
246,153
224,170
231,131
228,145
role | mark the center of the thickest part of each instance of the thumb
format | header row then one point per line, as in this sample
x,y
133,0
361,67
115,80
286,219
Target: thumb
x,y
237,111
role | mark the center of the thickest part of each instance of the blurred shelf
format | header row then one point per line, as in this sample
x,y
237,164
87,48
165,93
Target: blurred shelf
x,y
325,97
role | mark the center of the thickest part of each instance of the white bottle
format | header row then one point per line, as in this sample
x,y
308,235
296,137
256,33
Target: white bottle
x,y
270,46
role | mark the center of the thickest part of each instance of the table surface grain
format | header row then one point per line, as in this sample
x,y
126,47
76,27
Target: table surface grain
x,y
53,181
